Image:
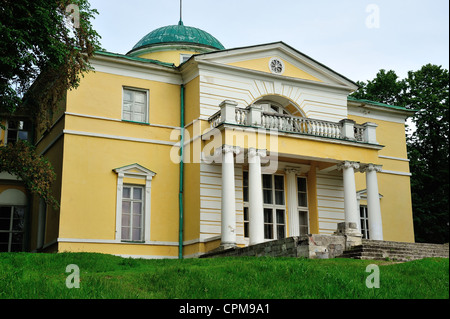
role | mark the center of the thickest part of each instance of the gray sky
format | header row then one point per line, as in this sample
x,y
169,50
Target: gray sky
x,y
356,38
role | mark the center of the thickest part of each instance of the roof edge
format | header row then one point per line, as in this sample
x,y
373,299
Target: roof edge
x,y
379,104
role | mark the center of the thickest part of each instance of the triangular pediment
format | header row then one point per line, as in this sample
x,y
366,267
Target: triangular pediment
x,y
134,170
295,65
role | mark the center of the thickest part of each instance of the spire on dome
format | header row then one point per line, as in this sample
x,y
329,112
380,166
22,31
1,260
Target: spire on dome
x,y
181,13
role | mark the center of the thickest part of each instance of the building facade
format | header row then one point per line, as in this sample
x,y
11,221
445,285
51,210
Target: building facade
x,y
181,147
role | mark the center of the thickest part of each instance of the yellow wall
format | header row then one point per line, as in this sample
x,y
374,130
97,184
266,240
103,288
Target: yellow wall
x,y
262,64
167,56
396,206
92,214
89,185
100,94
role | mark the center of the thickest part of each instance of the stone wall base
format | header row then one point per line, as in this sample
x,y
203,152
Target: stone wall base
x,y
312,246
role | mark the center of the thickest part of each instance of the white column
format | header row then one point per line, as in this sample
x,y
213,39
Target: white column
x,y
255,197
373,202
292,201
350,201
228,205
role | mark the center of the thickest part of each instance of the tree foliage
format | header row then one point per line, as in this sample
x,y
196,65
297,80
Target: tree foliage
x,y
45,50
427,91
37,42
36,172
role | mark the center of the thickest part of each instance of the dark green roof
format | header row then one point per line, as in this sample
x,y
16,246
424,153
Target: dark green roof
x,y
126,57
395,107
180,34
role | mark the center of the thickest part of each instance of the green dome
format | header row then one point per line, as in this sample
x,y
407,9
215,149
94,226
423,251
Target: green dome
x,y
179,34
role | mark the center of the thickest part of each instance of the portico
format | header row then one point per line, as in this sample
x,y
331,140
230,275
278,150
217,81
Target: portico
x,y
287,219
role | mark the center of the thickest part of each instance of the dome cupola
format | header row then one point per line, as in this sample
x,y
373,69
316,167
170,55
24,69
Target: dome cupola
x,y
179,38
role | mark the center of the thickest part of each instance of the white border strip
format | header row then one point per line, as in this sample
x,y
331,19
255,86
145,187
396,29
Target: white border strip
x,y
394,158
396,173
151,243
117,120
121,138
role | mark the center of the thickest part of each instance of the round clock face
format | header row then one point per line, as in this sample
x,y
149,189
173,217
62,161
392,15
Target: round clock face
x,y
276,66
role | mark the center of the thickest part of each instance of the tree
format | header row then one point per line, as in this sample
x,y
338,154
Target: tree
x,y
385,88
425,90
45,48
428,151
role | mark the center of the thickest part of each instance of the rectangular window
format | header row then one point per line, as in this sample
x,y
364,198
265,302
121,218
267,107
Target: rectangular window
x,y
268,223
301,192
364,221
12,223
274,206
246,222
132,213
135,105
303,222
302,196
17,130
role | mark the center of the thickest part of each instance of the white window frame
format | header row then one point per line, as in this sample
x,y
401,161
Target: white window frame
x,y
302,208
364,220
147,104
184,57
134,171
133,200
272,206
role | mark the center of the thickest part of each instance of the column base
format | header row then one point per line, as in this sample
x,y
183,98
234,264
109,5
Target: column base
x,y
225,246
353,236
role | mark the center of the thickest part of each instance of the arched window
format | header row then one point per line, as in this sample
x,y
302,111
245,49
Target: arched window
x,y
273,107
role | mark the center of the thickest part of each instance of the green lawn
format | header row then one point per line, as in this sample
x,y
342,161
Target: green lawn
x,y
24,275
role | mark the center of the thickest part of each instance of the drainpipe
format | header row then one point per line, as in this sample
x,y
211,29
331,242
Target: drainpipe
x,y
180,194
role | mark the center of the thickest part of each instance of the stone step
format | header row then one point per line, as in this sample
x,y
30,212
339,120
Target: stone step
x,y
381,250
402,244
406,250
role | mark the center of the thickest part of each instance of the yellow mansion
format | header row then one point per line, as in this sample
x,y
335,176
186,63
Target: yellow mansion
x,y
181,146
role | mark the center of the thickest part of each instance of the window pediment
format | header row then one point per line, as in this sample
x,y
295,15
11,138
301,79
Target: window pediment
x,y
135,170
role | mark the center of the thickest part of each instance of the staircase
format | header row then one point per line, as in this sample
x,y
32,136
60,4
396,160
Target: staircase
x,y
395,251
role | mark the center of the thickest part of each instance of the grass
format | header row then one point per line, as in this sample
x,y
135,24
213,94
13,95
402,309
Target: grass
x,y
34,276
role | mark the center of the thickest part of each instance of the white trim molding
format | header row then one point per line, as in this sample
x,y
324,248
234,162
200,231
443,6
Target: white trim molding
x,y
117,137
394,158
139,172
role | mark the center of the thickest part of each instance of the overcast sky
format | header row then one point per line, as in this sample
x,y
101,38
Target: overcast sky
x,y
356,38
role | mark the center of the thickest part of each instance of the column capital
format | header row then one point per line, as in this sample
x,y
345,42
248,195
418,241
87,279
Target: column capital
x,y
227,149
370,168
293,170
348,164
252,152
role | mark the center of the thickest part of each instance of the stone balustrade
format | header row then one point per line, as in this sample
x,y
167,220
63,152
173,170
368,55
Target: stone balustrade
x,y
255,116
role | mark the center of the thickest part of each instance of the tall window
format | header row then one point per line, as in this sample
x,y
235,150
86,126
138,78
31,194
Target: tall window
x,y
132,213
133,203
135,105
364,221
17,130
274,206
12,222
302,205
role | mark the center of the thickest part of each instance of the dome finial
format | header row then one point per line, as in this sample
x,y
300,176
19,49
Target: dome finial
x,y
181,13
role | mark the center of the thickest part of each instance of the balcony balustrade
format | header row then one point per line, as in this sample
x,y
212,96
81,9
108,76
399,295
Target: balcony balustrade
x,y
254,116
